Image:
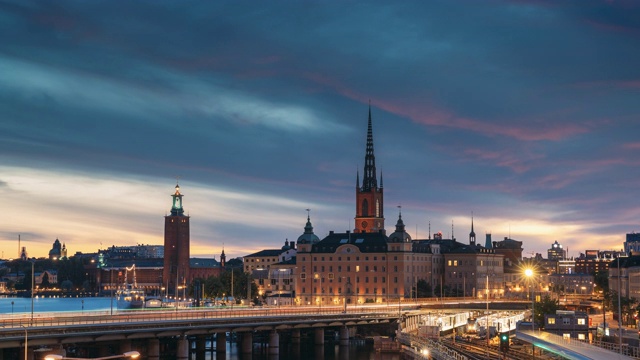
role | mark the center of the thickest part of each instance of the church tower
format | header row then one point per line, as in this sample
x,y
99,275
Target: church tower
x,y
176,246
369,197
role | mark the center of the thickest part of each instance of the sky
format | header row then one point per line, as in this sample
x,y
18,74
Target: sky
x,y
522,113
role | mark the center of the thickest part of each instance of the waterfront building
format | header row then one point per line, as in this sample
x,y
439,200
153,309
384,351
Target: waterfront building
x,y
176,266
367,266
264,259
58,251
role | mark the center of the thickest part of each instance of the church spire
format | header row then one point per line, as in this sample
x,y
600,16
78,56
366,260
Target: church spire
x,y
472,234
369,181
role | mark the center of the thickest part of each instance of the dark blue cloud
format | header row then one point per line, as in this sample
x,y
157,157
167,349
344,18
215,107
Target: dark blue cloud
x,y
524,112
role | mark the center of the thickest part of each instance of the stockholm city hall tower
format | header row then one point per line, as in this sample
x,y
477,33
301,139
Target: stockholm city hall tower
x,y
369,197
176,246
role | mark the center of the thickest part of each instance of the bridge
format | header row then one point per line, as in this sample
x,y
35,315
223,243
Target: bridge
x,y
146,328
143,330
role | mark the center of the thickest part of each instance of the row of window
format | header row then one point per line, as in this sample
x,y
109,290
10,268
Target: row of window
x,y
382,291
470,263
331,277
567,321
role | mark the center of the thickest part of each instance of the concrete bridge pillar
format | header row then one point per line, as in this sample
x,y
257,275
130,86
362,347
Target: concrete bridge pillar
x,y
221,343
295,336
318,336
200,347
182,353
344,336
247,342
125,345
274,343
153,349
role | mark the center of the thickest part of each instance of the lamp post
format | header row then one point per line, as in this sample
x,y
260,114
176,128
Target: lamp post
x,y
128,354
26,340
33,282
529,273
619,309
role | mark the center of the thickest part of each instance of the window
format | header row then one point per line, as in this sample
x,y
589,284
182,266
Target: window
x,y
551,321
330,276
303,276
582,321
357,268
566,321
581,337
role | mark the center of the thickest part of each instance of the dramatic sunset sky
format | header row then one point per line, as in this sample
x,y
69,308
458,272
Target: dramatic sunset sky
x,y
524,113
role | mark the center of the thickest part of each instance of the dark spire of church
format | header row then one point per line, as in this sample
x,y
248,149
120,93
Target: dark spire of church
x,y
472,234
369,181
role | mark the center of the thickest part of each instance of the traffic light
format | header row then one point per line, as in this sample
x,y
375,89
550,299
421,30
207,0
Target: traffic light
x,y
504,342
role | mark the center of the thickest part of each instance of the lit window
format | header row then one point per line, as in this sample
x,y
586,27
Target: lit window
x,y
551,321
582,321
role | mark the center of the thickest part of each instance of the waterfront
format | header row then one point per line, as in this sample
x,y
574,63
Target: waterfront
x,y
21,305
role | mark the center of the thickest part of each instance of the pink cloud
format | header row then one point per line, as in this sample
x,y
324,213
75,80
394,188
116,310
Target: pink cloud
x,y
428,114
631,146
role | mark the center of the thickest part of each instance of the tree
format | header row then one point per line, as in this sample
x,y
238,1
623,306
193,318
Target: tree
x,y
424,289
45,281
546,306
66,285
601,281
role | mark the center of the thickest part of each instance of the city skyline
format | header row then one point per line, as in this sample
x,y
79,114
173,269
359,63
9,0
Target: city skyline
x,y
523,113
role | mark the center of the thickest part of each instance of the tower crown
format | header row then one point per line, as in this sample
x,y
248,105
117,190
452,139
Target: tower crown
x,y
176,208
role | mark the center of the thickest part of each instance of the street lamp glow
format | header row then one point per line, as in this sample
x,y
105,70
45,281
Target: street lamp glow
x,y
528,272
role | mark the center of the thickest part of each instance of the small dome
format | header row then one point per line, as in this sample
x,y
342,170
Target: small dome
x,y
308,237
400,235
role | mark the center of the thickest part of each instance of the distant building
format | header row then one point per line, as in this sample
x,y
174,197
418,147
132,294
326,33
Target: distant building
x,y
556,252
58,251
568,324
572,283
594,261
510,249
265,258
632,243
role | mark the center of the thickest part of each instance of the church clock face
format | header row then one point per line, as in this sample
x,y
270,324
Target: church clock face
x,y
364,224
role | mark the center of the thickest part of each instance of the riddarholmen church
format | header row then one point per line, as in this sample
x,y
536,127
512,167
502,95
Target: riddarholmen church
x,y
367,265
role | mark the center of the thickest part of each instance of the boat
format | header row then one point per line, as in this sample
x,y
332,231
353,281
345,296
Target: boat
x,y
129,296
153,302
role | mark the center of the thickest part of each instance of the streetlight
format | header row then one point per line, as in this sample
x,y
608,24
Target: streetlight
x,y
33,281
128,354
26,347
529,273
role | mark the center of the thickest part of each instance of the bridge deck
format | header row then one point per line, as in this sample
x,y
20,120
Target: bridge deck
x,y
568,349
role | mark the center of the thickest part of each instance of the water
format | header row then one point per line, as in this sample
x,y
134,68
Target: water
x,y
19,305
330,351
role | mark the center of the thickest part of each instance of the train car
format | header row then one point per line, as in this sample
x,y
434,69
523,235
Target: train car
x,y
472,325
